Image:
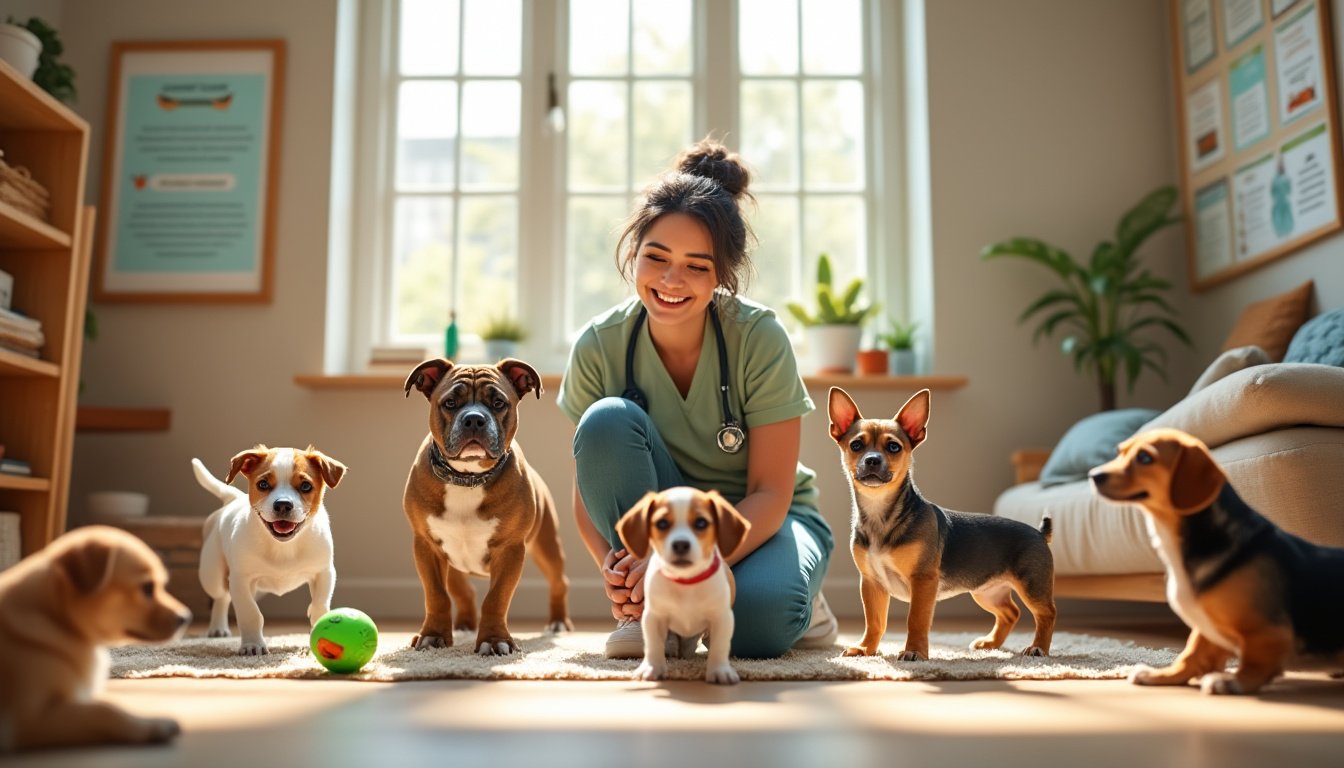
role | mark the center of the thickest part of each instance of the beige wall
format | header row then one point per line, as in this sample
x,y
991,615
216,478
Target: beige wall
x,y
1046,117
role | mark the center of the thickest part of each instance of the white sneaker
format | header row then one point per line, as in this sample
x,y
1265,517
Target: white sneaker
x,y
823,630
627,642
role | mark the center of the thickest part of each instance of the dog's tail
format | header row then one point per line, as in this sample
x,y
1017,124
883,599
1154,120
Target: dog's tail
x,y
209,482
1047,527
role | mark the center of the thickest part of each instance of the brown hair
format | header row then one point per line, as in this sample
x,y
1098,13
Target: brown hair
x,y
707,182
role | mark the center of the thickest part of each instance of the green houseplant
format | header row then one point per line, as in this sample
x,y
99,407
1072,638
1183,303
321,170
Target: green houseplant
x,y
52,75
502,334
1109,304
901,343
833,330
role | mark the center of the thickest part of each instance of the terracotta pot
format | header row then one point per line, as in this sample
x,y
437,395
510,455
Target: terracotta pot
x,y
871,362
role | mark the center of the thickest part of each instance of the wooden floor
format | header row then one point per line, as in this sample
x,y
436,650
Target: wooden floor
x,y
332,724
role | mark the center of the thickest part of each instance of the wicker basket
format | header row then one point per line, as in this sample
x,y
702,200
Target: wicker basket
x,y
10,551
18,189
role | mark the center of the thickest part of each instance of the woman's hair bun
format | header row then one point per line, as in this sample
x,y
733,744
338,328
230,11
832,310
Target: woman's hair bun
x,y
712,160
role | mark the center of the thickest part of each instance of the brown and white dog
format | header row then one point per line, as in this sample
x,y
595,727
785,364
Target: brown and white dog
x,y
90,588
688,588
1246,588
272,539
910,548
476,507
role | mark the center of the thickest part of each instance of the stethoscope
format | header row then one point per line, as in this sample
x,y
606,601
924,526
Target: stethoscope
x,y
731,437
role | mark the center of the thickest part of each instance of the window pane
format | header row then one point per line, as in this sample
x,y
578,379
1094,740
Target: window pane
x,y
488,250
597,136
662,126
490,121
422,267
429,37
832,37
662,32
835,225
769,118
833,135
426,135
776,281
768,36
492,39
594,283
599,37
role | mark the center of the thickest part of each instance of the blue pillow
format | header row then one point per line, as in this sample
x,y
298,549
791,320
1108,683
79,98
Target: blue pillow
x,y
1091,442
1320,340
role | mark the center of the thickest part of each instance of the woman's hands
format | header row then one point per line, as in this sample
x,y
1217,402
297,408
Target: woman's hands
x,y
623,578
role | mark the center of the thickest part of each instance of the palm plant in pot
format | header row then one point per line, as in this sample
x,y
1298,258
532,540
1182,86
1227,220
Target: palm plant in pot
x,y
1108,305
833,331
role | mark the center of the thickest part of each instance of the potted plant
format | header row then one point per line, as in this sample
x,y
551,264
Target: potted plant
x,y
501,334
901,343
833,332
872,362
1108,305
47,71
19,47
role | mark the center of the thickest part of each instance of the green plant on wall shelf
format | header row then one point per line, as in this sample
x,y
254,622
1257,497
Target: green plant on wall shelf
x,y
1108,303
503,328
902,335
833,309
52,75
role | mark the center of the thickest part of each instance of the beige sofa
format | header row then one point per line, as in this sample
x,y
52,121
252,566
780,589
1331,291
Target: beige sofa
x,y
1276,428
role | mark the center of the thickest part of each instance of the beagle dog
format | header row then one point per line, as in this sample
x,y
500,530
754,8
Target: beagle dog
x,y
90,588
688,588
1246,588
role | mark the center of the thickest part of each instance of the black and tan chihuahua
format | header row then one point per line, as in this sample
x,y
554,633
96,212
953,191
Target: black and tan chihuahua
x,y
908,547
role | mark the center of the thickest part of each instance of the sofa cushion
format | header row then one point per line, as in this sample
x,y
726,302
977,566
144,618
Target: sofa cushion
x,y
1270,324
1259,399
1090,442
1230,362
1321,340
1092,536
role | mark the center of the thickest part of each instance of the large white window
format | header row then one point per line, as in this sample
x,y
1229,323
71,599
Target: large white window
x,y
481,202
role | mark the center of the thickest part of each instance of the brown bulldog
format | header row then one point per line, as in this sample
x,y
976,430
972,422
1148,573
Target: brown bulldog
x,y
476,507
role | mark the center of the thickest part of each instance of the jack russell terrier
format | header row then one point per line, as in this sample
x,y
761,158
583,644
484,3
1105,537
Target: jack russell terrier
x,y
688,588
272,539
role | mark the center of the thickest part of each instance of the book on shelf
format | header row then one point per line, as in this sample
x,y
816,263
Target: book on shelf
x,y
15,467
19,320
19,350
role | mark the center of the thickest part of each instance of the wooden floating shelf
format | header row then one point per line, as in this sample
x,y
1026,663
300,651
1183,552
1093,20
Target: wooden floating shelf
x,y
94,418
551,381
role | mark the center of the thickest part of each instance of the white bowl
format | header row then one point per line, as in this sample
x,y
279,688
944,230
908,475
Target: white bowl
x,y
20,48
106,504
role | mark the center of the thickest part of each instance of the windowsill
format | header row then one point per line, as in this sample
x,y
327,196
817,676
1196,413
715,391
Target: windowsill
x,y
551,381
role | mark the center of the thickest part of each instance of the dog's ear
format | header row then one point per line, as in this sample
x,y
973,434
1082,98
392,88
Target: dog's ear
x,y
427,375
843,413
730,526
633,527
246,461
1196,479
914,417
331,469
88,565
523,376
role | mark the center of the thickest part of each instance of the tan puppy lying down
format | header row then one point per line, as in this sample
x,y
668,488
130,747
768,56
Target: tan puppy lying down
x,y
92,587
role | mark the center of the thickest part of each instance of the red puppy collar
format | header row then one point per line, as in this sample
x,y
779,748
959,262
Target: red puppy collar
x,y
710,571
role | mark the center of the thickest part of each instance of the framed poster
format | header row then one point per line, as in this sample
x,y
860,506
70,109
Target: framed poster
x,y
189,171
1259,128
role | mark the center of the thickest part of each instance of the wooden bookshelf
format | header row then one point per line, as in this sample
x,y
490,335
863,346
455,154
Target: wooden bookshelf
x,y
49,261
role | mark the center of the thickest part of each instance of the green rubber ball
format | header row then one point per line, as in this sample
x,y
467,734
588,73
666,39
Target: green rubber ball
x,y
344,640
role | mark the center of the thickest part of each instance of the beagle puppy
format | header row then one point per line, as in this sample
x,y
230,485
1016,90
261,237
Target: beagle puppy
x,y
688,588
1246,588
93,587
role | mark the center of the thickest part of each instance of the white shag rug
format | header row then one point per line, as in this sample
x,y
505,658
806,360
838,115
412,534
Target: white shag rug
x,y
578,656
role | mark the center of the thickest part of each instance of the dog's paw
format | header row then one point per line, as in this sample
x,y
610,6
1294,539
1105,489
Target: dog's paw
x,y
219,633
253,649
909,655
648,672
722,675
1034,650
505,646
424,642
558,627
160,729
858,650
1220,683
985,643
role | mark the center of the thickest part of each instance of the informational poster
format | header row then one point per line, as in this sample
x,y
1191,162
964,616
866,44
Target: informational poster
x,y
1260,159
189,184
